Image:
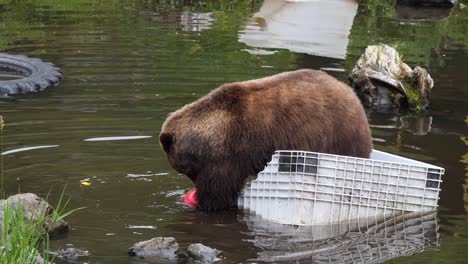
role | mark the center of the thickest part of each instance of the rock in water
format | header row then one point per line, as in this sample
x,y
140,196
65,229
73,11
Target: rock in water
x,y
39,260
33,207
165,247
71,253
203,253
383,80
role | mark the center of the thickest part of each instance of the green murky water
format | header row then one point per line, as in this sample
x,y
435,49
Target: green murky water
x,y
127,64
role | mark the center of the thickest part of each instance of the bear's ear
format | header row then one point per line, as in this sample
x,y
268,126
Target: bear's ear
x,y
166,140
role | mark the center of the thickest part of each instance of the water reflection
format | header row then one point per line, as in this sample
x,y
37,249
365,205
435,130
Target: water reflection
x,y
418,124
319,27
191,21
366,241
406,12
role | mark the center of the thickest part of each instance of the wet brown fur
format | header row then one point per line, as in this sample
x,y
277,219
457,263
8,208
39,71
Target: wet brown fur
x,y
231,133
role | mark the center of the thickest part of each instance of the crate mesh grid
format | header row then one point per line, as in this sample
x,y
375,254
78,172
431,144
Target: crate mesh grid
x,y
305,184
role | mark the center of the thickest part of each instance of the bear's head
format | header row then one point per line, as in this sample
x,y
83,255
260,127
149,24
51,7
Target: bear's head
x,y
197,141
186,149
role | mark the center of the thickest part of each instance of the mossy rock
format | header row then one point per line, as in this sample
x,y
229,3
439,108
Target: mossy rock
x,y
383,80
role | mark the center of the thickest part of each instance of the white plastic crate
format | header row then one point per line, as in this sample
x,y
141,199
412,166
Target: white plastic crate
x,y
309,188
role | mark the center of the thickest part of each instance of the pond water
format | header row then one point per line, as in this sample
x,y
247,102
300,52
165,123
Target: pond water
x,y
127,64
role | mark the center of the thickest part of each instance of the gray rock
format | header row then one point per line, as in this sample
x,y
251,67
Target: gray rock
x,y
33,207
165,247
71,253
202,253
383,80
39,260
438,3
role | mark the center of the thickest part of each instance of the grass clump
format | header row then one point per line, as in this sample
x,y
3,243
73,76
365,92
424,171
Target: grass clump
x,y
24,236
22,240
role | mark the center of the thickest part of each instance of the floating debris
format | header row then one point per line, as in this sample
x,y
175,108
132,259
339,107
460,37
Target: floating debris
x,y
142,179
141,227
116,138
332,69
27,149
378,139
86,182
132,175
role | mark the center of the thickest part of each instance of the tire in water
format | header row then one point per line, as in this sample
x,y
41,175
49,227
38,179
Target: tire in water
x,y
20,74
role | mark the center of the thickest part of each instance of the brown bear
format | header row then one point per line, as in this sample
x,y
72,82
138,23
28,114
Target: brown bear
x,y
230,134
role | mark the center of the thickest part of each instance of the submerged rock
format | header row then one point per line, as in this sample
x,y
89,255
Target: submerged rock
x,y
202,253
34,209
71,253
438,3
165,247
383,80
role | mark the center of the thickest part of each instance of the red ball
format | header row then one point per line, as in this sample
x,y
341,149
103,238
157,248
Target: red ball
x,y
191,198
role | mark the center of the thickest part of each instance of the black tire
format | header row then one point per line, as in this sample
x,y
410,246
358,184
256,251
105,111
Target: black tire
x,y
32,74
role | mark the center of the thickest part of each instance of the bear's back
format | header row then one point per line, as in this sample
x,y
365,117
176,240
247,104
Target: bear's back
x,y
304,110
303,88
